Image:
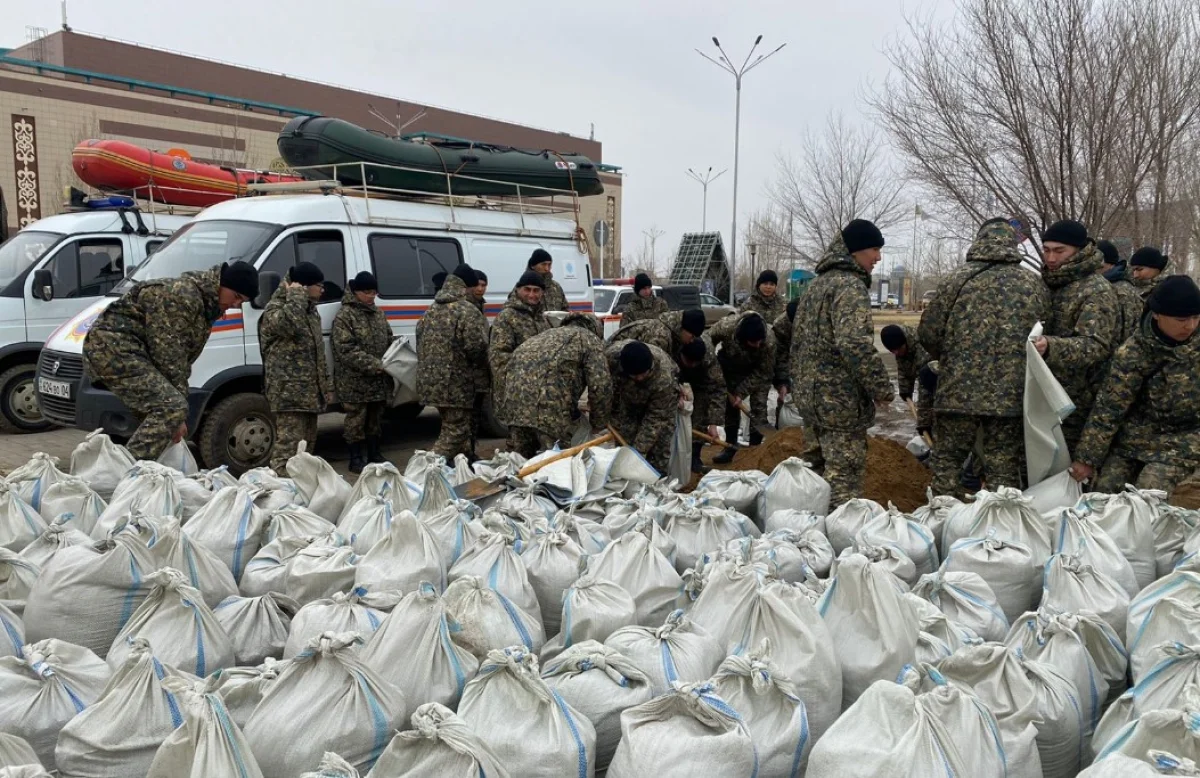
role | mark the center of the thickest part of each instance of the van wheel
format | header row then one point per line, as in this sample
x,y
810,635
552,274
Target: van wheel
x,y
492,427
19,409
238,433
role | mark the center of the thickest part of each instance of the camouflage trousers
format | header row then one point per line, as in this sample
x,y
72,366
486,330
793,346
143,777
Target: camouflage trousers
x,y
454,438
658,453
1117,471
1002,450
363,420
290,429
841,458
477,414
527,441
147,393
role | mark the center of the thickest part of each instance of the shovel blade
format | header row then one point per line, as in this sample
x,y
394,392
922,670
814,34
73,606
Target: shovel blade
x,y
477,489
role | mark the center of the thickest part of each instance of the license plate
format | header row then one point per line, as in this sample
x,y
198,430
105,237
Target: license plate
x,y
54,388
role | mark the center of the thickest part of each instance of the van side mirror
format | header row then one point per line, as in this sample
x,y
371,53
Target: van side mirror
x,y
43,284
267,284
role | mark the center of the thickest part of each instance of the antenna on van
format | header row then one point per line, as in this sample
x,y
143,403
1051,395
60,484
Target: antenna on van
x,y
397,126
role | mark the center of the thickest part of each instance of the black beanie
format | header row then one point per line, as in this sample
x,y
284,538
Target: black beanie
x,y
1148,256
693,321
694,351
766,277
892,337
1068,232
306,274
467,275
791,309
1175,296
480,277
1111,255
364,282
641,281
538,257
241,277
861,234
750,329
530,278
439,280
636,358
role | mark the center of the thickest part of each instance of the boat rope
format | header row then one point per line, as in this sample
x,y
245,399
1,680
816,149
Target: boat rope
x,y
581,237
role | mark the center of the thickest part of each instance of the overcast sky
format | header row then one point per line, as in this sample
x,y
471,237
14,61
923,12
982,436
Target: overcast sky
x,y
628,66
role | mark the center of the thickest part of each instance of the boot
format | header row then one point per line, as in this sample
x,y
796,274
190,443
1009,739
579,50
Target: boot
x,y
374,455
357,463
697,465
726,456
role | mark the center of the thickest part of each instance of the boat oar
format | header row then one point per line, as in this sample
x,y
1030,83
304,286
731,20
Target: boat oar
x,y
479,488
710,439
924,435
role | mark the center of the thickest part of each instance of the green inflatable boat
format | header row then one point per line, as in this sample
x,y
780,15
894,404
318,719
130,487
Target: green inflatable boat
x,y
313,141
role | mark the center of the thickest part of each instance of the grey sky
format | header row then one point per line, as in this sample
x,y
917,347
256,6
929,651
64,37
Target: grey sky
x,y
627,66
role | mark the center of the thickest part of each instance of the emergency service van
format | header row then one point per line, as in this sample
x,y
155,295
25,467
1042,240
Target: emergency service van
x,y
52,270
404,242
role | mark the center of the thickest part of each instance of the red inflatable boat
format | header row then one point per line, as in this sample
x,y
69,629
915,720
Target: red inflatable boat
x,y
173,178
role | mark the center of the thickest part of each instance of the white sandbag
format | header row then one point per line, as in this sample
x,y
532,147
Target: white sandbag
x,y
204,569
366,522
873,628
797,521
601,683
382,479
231,526
198,489
494,559
101,463
1073,586
789,555
699,530
1009,568
501,465
357,611
935,511
24,771
793,484
266,571
72,495
590,535
518,525
1079,535
406,555
724,605
12,633
772,711
16,579
15,751
938,637
436,492
1182,585
1006,515
894,731
1174,730
324,491
179,457
413,649
31,480
182,629
148,489
332,766
788,415
327,699
319,570
455,529
1172,527
400,362
552,561
1156,763
679,466
1171,622
893,528
208,743
420,463
1163,686
440,743
257,626
592,609
966,599
242,688
20,523
738,489
275,493
633,563
488,620
888,558
1061,728
528,726
87,593
1056,493
50,683
120,733
57,536
1128,518
847,519
679,650
293,521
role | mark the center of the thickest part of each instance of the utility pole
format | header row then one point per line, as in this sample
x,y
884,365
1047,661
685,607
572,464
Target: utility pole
x,y
704,181
653,234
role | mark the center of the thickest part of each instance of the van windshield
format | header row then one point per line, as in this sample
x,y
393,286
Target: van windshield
x,y
604,300
25,248
199,246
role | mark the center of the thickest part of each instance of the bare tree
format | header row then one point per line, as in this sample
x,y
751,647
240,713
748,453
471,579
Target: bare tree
x,y
767,242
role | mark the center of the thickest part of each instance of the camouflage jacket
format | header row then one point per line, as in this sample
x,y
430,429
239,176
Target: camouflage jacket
x,y
135,323
517,323
782,329
295,372
556,367
662,331
1082,330
361,336
1130,307
769,309
555,299
744,370
837,375
482,373
1148,408
977,326
451,344
706,379
908,367
1144,288
644,412
643,308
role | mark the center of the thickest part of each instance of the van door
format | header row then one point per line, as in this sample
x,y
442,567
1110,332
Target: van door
x,y
84,268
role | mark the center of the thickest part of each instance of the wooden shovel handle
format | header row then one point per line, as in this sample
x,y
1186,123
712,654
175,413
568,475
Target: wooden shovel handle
x,y
564,454
710,439
617,436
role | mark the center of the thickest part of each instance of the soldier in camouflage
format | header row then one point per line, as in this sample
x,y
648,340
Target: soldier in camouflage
x,y
296,377
1130,305
782,329
452,342
765,300
837,375
1147,267
147,365
361,336
520,320
556,367
482,373
478,293
1144,428
746,352
669,331
977,327
554,299
1081,332
911,359
645,304
645,398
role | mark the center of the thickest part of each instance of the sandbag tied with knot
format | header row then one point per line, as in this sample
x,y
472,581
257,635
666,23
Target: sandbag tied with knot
x,y
679,650
442,744
208,743
1175,730
1163,685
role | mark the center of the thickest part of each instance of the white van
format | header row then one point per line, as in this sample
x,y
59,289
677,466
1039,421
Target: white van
x,y
404,243
49,272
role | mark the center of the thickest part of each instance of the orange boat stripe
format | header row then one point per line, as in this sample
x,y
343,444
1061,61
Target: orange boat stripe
x,y
159,173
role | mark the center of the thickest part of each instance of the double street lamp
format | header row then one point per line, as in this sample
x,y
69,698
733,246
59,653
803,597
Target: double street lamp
x,y
704,181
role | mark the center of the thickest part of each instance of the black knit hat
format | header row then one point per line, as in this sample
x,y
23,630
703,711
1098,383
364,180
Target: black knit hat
x,y
480,277
364,282
1067,232
766,277
636,358
531,278
694,351
1176,296
306,274
538,257
791,309
1111,255
241,277
750,329
467,275
1148,256
693,321
861,234
439,280
641,281
892,337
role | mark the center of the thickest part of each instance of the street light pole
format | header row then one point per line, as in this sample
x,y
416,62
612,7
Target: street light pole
x,y
704,181
726,64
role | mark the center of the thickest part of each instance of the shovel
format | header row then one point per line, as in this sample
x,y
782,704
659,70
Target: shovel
x,y
924,435
766,430
710,439
478,488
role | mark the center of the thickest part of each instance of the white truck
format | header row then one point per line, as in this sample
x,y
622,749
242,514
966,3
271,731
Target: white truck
x,y
49,272
405,243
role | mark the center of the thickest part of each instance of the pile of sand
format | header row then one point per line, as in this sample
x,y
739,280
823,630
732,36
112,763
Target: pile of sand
x,y
1187,495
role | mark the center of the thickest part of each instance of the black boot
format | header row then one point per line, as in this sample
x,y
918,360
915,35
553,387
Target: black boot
x,y
374,455
357,463
726,456
697,465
